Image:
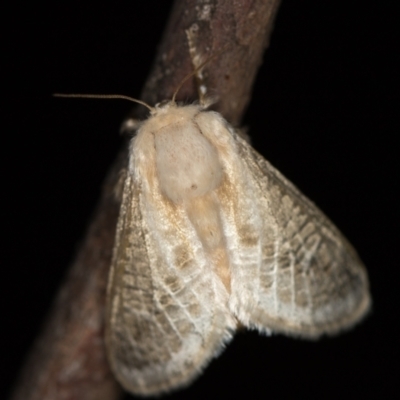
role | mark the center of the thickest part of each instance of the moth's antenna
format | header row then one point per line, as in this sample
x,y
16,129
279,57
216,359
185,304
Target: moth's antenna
x,y
104,96
193,73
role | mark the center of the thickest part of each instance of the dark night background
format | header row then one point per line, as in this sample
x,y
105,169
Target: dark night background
x,y
324,112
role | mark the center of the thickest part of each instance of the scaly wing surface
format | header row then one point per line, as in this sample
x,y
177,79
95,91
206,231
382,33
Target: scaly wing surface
x,y
306,279
167,315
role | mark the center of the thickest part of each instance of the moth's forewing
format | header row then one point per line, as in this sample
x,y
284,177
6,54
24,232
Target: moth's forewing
x,y
311,280
167,311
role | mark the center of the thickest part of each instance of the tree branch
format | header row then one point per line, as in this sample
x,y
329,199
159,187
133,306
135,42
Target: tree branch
x,y
68,360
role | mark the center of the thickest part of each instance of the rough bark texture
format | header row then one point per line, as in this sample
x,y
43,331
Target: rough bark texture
x,y
236,30
68,360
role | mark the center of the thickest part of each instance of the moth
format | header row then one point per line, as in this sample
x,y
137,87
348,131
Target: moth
x,y
211,236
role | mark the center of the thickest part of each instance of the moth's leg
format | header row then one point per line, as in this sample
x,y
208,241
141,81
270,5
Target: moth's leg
x,y
129,127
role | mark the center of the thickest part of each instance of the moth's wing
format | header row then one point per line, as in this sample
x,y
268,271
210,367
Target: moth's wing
x,y
304,278
166,315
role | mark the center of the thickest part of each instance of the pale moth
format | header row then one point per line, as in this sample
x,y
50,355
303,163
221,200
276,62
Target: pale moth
x,y
210,236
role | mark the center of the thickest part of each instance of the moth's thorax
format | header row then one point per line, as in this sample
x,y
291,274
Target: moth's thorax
x,y
175,159
187,164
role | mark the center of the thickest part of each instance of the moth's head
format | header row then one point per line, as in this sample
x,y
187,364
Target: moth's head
x,y
163,106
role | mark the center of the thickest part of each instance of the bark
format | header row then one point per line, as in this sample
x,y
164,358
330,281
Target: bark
x,y
68,360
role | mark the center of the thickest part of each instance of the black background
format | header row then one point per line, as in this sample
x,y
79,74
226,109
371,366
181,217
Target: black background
x,y
323,112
